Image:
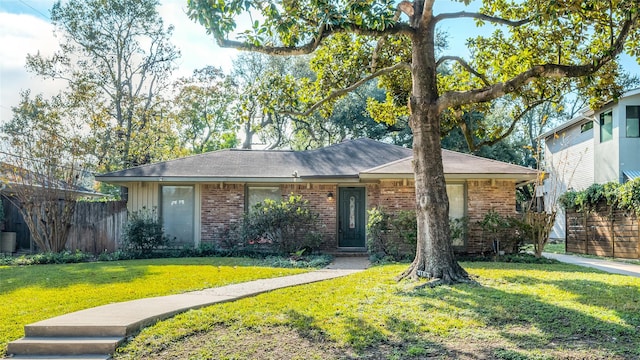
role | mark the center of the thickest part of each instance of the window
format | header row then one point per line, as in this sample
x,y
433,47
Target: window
x,y
633,121
178,213
586,126
455,192
606,126
259,194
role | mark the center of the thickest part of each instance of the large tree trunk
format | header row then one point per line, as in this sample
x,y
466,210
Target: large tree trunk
x,y
434,257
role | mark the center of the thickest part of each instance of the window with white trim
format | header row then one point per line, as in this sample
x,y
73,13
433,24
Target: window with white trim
x,y
177,207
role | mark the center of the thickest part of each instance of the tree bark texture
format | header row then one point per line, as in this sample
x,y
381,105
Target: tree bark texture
x,y
434,257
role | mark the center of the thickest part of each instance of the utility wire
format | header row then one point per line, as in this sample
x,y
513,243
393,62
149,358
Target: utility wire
x,y
34,9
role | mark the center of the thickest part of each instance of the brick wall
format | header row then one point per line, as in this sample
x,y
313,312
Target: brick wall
x,y
316,194
483,196
221,208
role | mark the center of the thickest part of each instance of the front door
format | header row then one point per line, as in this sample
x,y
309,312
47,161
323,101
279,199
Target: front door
x,y
351,217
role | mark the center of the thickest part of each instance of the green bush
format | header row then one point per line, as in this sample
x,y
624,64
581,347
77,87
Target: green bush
x,y
629,196
282,227
64,257
391,236
626,196
511,232
143,232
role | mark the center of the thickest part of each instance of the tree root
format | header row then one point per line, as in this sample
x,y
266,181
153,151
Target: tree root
x,y
455,275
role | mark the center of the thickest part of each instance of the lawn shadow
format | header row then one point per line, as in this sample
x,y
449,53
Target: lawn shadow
x,y
61,276
528,322
365,340
624,300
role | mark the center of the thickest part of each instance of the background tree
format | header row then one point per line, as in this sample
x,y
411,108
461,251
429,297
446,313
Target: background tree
x,y
204,111
538,45
44,172
116,57
264,84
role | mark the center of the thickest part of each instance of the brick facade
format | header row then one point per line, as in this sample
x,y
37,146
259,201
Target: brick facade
x,y
223,206
316,194
483,196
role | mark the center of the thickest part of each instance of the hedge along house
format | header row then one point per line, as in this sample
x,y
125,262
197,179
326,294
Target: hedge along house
x,y
200,197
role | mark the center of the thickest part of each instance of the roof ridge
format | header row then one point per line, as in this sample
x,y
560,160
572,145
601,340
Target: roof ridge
x,y
387,164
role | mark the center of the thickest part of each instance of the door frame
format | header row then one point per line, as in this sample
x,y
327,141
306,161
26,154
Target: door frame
x,y
363,212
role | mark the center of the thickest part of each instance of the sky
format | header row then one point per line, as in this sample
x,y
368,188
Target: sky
x,y
25,29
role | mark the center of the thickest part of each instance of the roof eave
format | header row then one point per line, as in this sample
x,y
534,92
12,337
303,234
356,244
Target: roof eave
x,y
527,177
209,179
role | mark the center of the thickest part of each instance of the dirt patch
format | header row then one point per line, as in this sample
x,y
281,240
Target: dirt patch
x,y
266,343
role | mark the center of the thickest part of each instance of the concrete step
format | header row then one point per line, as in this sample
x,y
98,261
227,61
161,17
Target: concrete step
x,y
83,330
63,346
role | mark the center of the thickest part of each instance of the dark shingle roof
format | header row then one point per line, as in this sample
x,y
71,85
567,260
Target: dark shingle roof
x,y
455,163
353,159
346,159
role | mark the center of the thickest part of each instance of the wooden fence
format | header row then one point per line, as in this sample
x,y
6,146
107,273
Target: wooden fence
x,y
603,233
97,227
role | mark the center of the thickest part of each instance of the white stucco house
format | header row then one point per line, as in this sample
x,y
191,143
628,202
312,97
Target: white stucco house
x,y
597,146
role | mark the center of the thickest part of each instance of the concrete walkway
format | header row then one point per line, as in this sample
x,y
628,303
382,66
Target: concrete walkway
x,y
95,333
613,267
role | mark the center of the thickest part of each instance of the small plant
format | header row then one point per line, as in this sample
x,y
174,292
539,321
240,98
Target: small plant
x,y
143,232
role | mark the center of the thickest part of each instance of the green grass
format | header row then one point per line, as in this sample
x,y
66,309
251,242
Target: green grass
x,y
518,311
551,248
32,293
555,248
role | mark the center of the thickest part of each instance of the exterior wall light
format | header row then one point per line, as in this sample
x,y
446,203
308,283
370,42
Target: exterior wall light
x,y
330,196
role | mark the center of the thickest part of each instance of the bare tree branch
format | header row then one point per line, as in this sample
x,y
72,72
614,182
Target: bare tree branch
x,y
457,98
512,126
465,65
479,16
337,93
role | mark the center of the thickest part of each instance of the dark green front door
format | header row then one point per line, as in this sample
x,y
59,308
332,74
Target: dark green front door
x,y
351,217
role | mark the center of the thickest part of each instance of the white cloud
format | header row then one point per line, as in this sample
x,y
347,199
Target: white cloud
x,y
22,34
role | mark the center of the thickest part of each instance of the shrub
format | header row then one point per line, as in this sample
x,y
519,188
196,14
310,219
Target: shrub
x,y
626,196
282,227
505,233
143,232
391,236
629,196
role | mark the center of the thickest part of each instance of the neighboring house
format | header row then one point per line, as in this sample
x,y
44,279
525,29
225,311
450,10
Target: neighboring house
x,y
594,147
201,196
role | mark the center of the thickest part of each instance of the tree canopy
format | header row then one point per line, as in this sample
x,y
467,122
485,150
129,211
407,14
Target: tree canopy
x,y
116,57
539,48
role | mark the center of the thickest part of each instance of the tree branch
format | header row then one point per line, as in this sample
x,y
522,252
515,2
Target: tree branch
x,y
456,98
465,65
337,93
479,16
324,31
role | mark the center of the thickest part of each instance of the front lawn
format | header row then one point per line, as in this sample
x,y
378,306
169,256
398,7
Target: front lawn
x,y
32,293
519,311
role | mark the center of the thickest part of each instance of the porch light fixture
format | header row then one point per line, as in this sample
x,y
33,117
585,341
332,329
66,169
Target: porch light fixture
x,y
330,196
